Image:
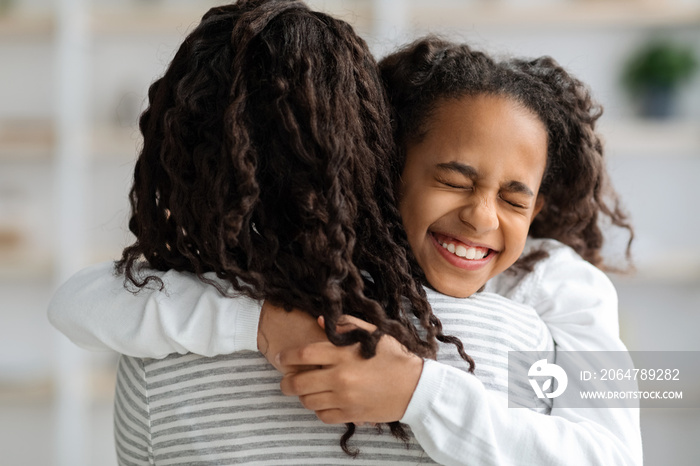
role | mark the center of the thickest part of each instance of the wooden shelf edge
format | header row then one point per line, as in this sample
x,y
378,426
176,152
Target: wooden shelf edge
x,y
155,19
29,141
565,14
623,138
41,387
25,264
649,138
26,25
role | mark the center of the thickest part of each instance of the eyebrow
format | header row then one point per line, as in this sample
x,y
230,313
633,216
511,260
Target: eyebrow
x,y
461,168
518,187
472,173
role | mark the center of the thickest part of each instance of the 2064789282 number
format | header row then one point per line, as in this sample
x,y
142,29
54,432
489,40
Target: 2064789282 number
x,y
639,374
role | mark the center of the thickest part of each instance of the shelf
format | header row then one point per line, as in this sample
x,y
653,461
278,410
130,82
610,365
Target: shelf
x,y
591,13
26,25
32,140
22,263
100,378
434,15
114,142
19,263
27,140
145,20
650,138
674,267
104,21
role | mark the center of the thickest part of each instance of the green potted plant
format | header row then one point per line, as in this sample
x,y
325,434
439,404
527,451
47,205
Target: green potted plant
x,y
656,72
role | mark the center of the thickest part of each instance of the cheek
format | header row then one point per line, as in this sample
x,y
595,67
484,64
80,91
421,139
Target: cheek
x,y
516,232
410,214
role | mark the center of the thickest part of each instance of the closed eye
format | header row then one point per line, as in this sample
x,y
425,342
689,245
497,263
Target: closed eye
x,y
456,186
517,205
452,185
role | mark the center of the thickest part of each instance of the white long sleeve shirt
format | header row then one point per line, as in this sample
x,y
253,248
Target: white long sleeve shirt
x,y
452,415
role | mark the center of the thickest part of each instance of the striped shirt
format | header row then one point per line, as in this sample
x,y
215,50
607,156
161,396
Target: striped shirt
x,y
194,410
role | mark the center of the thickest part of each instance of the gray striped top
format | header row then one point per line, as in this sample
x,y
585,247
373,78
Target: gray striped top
x,y
194,410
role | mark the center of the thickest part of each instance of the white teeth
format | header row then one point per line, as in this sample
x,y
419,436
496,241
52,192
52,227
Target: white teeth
x,y
467,253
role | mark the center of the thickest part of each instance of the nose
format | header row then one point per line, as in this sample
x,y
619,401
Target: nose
x,y
481,215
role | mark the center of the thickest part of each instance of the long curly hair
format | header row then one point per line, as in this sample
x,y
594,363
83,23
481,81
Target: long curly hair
x,y
577,191
266,157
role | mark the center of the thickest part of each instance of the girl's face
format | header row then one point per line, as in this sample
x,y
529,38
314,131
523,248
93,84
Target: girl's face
x,y
469,190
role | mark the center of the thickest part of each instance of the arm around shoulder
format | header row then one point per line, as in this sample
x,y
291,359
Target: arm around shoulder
x,y
95,311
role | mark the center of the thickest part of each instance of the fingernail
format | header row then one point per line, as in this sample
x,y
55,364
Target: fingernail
x,y
278,359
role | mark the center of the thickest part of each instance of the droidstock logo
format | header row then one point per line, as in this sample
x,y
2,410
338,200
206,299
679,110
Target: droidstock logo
x,y
543,369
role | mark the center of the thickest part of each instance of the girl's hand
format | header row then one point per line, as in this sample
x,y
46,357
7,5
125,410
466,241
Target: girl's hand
x,y
281,330
349,388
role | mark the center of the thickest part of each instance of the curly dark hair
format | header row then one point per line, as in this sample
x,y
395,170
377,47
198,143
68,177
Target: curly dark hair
x,y
575,186
265,159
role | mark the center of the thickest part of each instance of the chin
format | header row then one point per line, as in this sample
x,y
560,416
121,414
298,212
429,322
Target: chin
x,y
456,291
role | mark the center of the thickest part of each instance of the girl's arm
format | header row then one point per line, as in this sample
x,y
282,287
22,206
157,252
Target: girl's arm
x,y
454,418
458,422
96,312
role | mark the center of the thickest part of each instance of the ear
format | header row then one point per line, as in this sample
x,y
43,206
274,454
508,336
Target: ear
x,y
539,203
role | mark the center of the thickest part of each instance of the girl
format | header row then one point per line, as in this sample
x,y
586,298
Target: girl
x,y
474,134
493,185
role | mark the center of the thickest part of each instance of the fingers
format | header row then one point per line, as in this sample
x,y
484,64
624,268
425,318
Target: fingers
x,y
334,416
347,323
319,401
327,379
329,408
305,383
327,404
313,354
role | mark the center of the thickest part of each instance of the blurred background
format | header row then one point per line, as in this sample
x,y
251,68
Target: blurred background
x,y
73,80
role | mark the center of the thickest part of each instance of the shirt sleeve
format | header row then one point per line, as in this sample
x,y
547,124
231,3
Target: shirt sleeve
x,y
458,422
95,311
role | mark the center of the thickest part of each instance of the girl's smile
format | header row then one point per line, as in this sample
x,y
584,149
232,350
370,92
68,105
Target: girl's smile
x,y
462,254
469,189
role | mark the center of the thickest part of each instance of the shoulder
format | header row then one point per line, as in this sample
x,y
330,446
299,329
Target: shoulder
x,y
577,301
483,301
563,273
493,314
566,276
